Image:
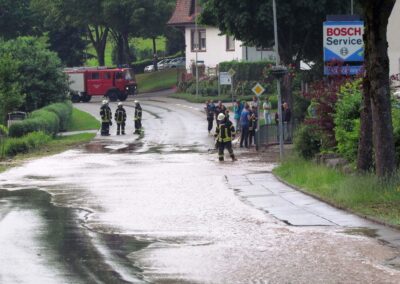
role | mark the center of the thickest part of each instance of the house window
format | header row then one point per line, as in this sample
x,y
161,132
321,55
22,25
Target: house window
x,y
198,40
230,43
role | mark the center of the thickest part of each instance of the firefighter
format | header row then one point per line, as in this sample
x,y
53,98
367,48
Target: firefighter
x,y
225,133
106,118
138,118
120,118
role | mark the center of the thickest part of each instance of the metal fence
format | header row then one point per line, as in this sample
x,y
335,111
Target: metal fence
x,y
269,134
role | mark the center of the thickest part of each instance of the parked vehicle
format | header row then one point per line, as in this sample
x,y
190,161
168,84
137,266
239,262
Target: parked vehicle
x,y
149,68
113,83
163,64
178,62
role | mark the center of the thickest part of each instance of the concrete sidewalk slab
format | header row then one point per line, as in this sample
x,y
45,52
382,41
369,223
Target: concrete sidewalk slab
x,y
265,192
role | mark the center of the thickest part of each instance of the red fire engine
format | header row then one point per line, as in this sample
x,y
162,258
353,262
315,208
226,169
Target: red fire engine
x,y
113,83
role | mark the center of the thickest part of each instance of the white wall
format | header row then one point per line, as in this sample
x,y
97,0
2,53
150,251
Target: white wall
x,y
393,36
216,50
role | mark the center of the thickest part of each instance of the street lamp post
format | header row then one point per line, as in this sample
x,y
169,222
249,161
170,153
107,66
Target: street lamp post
x,y
278,82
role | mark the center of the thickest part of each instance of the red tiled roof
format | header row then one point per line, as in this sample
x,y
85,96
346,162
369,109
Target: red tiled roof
x,y
184,13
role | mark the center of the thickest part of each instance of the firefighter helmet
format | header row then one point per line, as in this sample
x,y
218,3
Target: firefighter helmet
x,y
120,104
105,102
221,116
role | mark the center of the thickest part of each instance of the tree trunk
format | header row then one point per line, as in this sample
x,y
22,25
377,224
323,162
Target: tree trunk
x,y
365,145
98,37
154,45
127,52
376,14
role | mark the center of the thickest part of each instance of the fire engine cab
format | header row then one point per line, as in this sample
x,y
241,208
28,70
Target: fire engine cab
x,y
113,83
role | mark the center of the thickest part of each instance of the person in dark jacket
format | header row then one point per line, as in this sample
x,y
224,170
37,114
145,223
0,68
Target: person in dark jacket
x,y
106,117
210,112
224,134
286,118
120,119
252,127
138,118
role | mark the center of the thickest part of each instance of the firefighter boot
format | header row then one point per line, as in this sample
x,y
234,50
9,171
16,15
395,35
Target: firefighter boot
x,y
233,158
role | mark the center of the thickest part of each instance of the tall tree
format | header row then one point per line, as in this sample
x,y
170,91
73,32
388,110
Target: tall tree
x,y
377,83
156,20
299,26
125,18
16,19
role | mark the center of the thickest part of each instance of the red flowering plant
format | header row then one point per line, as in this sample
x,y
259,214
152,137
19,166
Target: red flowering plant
x,y
324,94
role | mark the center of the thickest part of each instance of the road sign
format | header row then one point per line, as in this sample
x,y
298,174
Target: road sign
x,y
225,78
258,89
231,72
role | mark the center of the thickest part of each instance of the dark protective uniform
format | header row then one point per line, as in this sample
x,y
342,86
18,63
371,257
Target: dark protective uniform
x,y
210,109
225,132
138,118
106,117
120,119
252,128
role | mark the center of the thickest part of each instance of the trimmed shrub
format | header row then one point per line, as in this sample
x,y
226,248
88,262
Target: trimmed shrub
x,y
63,111
34,140
246,71
50,120
307,141
3,130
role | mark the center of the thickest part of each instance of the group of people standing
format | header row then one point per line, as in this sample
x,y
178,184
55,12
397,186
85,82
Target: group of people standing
x,y
246,117
119,117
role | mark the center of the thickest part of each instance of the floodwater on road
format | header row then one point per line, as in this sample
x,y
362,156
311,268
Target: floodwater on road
x,y
157,209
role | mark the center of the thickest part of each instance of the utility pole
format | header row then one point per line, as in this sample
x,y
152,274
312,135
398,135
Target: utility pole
x,y
197,45
352,7
278,82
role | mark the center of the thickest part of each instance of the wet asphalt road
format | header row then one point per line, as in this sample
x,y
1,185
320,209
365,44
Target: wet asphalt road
x,y
157,208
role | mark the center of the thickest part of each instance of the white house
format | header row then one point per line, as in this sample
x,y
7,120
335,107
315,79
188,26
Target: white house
x,y
394,40
212,47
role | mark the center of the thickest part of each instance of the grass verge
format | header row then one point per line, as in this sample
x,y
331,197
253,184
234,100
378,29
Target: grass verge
x,y
156,81
53,147
81,120
363,194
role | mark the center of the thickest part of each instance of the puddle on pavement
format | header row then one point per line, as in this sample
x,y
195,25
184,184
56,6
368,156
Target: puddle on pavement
x,y
101,148
88,256
394,263
367,232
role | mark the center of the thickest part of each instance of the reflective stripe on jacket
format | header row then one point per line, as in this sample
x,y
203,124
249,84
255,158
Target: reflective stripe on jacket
x,y
225,132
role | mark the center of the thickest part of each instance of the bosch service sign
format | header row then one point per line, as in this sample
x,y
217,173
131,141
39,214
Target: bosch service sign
x,y
343,41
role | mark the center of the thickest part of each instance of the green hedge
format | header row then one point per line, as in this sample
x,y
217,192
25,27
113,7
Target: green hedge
x,y
63,111
246,71
50,120
34,140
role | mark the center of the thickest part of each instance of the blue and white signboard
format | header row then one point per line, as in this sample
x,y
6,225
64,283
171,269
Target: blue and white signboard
x,y
343,42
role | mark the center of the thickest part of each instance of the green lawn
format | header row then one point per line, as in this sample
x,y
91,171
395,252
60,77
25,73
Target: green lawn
x,y
155,81
363,194
81,120
137,43
201,99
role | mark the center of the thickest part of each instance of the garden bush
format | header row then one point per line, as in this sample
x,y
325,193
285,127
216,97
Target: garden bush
x,y
50,120
246,71
31,141
347,119
307,141
63,111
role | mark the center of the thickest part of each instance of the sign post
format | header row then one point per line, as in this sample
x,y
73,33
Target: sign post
x,y
343,44
258,90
